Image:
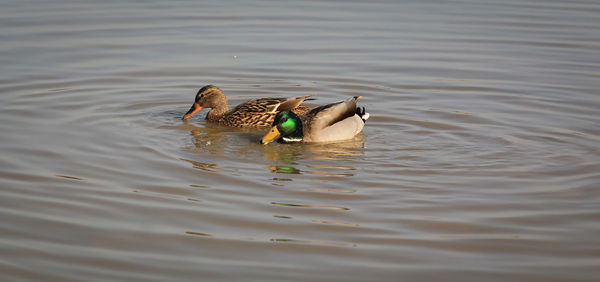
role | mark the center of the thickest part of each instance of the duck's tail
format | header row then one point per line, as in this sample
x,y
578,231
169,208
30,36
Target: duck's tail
x,y
362,113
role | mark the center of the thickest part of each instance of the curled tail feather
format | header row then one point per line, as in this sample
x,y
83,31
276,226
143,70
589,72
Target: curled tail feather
x,y
362,113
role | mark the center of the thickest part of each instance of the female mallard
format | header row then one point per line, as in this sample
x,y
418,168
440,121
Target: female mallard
x,y
255,112
333,122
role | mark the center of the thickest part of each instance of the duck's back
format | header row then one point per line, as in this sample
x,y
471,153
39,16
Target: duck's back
x,y
261,111
332,122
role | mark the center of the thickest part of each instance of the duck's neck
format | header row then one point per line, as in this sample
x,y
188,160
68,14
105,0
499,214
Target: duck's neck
x,y
218,111
290,140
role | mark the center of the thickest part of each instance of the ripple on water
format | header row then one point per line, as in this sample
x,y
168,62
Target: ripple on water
x,y
479,160
310,206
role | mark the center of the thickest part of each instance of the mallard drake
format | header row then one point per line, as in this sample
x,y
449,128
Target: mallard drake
x,y
333,122
255,112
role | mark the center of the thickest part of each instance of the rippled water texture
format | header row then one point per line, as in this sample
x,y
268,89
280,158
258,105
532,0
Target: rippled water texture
x,y
480,161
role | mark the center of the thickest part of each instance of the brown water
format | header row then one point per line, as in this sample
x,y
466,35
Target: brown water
x,y
480,162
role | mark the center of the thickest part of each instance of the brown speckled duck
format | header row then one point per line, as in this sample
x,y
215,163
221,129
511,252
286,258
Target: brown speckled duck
x,y
255,112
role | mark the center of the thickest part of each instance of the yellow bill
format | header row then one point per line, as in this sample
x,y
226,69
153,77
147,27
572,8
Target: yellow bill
x,y
270,136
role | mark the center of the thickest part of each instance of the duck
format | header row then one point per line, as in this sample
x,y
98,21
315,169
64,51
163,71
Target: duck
x,y
328,123
252,113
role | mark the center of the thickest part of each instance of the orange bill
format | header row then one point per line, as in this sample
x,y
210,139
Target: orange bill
x,y
194,109
270,136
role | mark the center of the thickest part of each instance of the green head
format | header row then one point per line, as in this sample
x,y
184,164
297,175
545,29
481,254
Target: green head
x,y
286,125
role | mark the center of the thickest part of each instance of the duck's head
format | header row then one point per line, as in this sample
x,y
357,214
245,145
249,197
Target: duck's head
x,y
208,96
286,125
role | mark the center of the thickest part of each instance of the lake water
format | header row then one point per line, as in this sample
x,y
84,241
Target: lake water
x,y
481,160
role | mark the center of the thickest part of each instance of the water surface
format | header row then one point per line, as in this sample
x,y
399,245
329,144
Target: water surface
x,y
480,161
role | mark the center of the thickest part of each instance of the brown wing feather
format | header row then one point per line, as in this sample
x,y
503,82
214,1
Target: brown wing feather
x,y
291,103
300,109
258,105
243,119
261,112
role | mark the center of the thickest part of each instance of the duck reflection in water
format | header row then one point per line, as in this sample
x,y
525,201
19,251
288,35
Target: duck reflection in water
x,y
202,166
348,150
324,159
210,138
206,139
